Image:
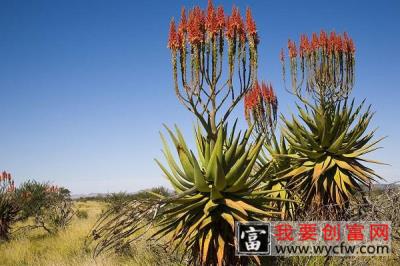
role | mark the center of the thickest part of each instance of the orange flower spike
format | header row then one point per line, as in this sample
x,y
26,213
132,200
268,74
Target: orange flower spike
x,y
230,32
195,26
234,17
301,48
173,42
331,42
338,44
254,95
304,45
238,23
241,30
247,101
314,42
323,39
235,25
220,18
292,49
250,23
349,45
182,28
211,19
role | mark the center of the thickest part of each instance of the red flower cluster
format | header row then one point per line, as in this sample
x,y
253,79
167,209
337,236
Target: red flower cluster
x,y
292,49
215,20
258,96
268,93
332,44
182,27
220,18
211,22
252,98
250,23
325,58
235,25
173,40
195,26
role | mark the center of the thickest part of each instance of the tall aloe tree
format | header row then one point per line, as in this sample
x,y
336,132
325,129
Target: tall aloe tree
x,y
219,184
330,136
227,188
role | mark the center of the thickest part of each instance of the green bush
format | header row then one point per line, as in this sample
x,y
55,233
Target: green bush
x,y
49,206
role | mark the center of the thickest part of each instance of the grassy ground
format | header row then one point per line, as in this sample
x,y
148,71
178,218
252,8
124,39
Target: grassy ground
x,y
67,248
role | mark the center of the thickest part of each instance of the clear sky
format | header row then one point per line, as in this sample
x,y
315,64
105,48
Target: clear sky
x,y
86,85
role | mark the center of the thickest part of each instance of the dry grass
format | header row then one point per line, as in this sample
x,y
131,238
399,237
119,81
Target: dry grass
x,y
67,247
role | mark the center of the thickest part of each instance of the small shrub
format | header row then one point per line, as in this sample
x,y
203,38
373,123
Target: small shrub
x,y
49,206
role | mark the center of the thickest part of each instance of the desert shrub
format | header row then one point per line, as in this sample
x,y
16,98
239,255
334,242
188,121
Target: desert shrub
x,y
8,206
50,207
31,197
119,199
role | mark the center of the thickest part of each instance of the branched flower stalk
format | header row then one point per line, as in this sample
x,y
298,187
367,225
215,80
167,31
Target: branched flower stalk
x,y
199,45
260,108
322,66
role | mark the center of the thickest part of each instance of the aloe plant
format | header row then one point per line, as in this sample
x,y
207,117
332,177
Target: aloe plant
x,y
329,144
225,190
219,184
329,141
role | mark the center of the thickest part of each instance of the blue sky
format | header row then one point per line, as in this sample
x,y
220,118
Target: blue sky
x,y
86,85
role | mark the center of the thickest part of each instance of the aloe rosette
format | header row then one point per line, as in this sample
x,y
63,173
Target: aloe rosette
x,y
328,167
222,188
